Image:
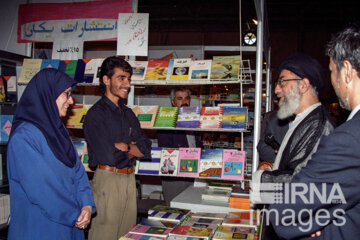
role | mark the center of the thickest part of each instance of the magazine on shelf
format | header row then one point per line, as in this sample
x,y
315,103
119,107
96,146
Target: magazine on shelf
x,y
233,164
200,69
189,160
180,70
166,117
169,162
152,165
188,117
211,163
234,117
211,117
77,117
157,69
225,67
146,114
139,70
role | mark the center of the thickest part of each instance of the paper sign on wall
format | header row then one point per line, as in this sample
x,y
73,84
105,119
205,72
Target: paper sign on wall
x,y
133,32
68,49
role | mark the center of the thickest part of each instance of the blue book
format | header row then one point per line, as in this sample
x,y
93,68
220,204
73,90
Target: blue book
x,y
234,117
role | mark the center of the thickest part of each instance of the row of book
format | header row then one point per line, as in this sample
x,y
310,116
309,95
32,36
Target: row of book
x,y
86,70
175,224
183,117
194,162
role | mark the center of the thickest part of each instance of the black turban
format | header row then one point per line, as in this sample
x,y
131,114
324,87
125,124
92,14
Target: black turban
x,y
305,66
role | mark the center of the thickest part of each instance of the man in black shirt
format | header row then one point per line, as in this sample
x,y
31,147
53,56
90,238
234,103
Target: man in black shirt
x,y
114,139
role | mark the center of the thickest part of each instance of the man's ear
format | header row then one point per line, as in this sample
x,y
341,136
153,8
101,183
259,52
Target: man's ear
x,y
348,71
304,85
172,102
106,80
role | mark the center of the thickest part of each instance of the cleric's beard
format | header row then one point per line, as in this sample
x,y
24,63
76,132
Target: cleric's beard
x,y
290,103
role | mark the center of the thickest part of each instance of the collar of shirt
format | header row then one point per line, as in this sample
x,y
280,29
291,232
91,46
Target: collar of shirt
x,y
353,112
112,105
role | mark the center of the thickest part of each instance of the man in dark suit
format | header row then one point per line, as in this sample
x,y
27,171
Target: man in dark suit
x,y
324,197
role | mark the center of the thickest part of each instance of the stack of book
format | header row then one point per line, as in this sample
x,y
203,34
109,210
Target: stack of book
x,y
240,202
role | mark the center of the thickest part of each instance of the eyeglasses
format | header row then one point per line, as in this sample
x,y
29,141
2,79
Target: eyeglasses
x,y
68,94
281,82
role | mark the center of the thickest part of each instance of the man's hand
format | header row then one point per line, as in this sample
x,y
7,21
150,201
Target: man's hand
x,y
316,234
84,218
122,146
265,166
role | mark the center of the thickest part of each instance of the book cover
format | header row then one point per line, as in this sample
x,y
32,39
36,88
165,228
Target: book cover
x,y
146,115
68,67
50,63
181,69
133,236
219,216
162,208
211,117
169,162
96,69
150,231
200,233
226,233
241,219
139,70
234,117
151,166
157,69
211,163
203,223
6,124
189,160
91,69
158,223
200,69
188,117
225,67
166,117
77,117
168,216
80,70
29,68
170,68
233,164
10,82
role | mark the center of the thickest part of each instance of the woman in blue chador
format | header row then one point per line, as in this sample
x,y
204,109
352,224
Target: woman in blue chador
x,y
50,194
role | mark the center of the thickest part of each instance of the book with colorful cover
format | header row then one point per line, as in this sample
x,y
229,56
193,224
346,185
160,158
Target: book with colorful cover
x,y
151,166
234,117
225,67
146,115
91,70
203,223
77,117
219,216
166,117
188,117
170,68
167,216
50,63
133,236
158,223
139,70
188,231
6,124
211,117
233,233
241,219
200,69
233,164
29,68
181,68
169,162
211,163
189,160
150,231
157,69
10,82
68,67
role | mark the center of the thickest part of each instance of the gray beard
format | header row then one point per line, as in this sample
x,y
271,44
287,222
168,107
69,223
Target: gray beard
x,y
290,104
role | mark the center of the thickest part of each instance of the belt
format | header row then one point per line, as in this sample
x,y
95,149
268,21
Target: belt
x,y
116,170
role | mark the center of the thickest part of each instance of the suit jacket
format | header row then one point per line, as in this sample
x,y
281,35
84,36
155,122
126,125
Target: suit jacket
x,y
337,160
272,125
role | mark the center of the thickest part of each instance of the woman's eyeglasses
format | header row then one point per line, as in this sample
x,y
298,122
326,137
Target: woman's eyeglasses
x,y
68,94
